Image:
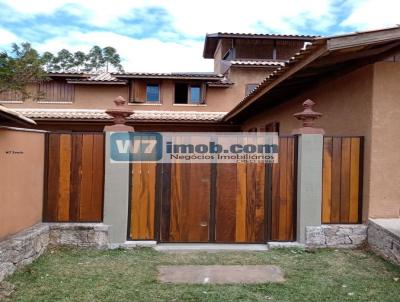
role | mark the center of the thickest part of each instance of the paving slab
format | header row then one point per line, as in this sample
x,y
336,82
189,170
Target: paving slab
x,y
220,274
209,247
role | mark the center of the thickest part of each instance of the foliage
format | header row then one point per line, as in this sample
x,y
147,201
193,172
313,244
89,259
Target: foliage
x,y
21,66
97,59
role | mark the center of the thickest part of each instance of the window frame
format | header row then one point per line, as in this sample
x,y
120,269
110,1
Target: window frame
x,y
189,101
147,101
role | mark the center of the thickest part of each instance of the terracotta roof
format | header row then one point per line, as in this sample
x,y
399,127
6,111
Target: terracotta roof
x,y
15,115
104,77
169,75
97,114
257,63
260,35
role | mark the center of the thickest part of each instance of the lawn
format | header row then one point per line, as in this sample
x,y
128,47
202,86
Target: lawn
x,y
120,275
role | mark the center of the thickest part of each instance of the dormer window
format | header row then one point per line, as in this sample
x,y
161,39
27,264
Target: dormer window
x,y
188,93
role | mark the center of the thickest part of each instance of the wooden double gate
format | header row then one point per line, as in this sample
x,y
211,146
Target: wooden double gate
x,y
224,203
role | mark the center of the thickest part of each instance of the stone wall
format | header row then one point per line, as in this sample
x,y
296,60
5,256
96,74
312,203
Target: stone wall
x,y
26,246
336,235
384,242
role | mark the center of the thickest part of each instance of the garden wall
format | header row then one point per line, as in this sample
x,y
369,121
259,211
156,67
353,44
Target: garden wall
x,y
21,179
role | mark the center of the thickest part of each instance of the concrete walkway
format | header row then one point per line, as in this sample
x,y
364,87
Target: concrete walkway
x,y
209,247
220,274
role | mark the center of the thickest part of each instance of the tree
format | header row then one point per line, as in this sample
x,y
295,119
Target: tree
x,y
48,60
111,57
65,60
95,58
20,67
79,60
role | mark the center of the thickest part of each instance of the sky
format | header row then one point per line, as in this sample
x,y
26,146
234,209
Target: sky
x,y
168,35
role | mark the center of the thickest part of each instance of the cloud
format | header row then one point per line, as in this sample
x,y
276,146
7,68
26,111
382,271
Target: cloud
x,y
7,37
168,35
150,55
372,14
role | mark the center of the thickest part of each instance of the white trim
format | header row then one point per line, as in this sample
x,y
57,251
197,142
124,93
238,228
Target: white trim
x,y
145,104
190,105
53,102
11,102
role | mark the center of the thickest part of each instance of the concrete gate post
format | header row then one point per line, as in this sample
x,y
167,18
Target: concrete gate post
x,y
309,177
116,179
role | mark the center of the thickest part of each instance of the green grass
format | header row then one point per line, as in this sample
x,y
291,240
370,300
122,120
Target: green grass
x,y
119,275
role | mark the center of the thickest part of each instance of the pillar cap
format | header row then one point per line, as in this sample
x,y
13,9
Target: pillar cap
x,y
120,114
308,116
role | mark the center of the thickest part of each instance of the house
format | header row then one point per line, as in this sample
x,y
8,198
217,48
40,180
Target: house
x,y
258,82
76,101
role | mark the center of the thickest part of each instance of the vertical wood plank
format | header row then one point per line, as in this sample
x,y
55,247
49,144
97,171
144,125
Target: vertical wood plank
x,y
354,179
336,174
327,180
165,214
225,212
85,200
64,178
260,203
345,181
275,205
241,203
282,233
53,178
290,190
76,175
98,178
251,202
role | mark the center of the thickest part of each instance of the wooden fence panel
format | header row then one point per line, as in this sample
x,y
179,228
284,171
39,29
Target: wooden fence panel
x,y
143,201
283,201
342,183
75,177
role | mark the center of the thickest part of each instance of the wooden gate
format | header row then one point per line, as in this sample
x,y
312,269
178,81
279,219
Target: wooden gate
x,y
342,180
75,177
224,203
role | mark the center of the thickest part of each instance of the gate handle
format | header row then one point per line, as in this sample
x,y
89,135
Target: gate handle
x,y
203,224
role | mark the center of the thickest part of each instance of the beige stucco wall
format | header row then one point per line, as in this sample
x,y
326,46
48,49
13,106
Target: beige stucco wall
x,y
385,146
21,180
96,96
346,103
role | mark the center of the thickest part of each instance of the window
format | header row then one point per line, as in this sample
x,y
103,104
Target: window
x,y
188,94
195,94
56,92
250,88
152,93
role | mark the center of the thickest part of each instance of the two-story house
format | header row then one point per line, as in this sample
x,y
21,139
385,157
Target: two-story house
x,y
76,100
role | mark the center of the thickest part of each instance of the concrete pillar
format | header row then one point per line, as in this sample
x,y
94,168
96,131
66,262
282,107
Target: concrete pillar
x,y
309,170
309,183
116,196
116,178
